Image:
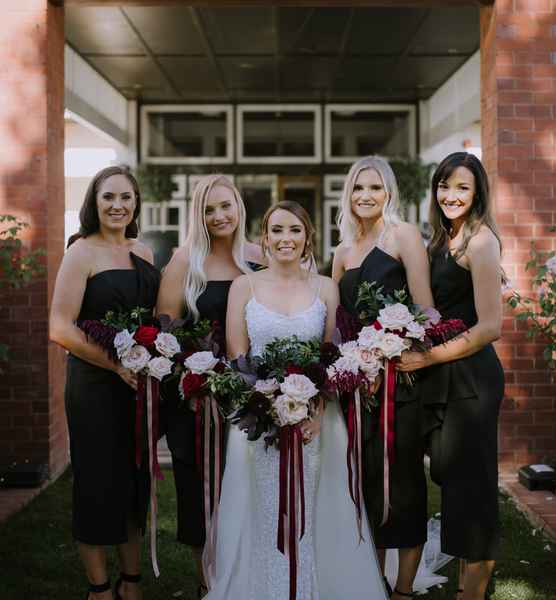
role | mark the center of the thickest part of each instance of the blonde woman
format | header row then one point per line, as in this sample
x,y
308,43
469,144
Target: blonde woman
x,y
377,246
195,284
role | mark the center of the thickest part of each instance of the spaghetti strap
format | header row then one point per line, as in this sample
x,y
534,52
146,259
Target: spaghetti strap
x,y
317,295
251,285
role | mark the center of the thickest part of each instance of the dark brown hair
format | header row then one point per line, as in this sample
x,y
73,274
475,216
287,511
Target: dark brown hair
x,y
297,210
88,215
479,214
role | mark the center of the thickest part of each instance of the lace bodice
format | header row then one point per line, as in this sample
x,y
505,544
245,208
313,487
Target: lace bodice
x,y
264,325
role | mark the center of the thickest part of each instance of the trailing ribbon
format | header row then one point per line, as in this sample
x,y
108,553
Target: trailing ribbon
x,y
387,429
354,451
153,397
292,499
211,503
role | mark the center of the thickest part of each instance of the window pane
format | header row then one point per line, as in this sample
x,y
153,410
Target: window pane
x,y
278,134
173,216
187,134
334,237
360,133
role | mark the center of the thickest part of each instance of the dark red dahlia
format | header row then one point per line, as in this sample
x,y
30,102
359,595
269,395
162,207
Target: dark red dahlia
x,y
329,353
258,404
294,370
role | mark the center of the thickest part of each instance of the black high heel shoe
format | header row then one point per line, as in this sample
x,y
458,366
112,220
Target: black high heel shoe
x,y
97,589
387,586
202,591
405,594
128,579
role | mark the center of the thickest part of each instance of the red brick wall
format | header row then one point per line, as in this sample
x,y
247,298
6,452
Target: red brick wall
x,y
518,79
32,422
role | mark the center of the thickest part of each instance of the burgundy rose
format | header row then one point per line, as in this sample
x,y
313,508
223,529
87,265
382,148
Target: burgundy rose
x,y
258,404
294,370
316,372
219,367
329,353
192,383
146,335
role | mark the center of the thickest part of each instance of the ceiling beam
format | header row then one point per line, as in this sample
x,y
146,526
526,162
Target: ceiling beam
x,y
209,50
169,81
275,16
342,50
267,56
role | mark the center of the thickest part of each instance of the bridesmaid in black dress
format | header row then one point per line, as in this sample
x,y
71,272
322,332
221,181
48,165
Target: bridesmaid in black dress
x,y
463,391
378,247
195,284
105,268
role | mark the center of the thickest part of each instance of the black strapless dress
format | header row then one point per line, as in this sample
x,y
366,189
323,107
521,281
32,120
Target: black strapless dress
x,y
407,523
108,490
461,405
180,433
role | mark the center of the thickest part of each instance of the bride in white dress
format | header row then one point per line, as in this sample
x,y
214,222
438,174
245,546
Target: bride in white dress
x,y
282,301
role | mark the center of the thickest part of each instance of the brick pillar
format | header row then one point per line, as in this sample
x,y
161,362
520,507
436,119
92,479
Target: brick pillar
x,y
32,422
518,88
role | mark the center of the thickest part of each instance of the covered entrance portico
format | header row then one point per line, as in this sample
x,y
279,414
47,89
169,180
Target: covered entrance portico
x,y
518,83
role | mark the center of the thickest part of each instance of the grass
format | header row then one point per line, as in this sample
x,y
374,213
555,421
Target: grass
x,y
39,560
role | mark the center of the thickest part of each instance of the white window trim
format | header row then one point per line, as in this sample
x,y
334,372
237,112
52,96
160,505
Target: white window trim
x,y
329,191
330,108
328,249
316,158
181,227
147,109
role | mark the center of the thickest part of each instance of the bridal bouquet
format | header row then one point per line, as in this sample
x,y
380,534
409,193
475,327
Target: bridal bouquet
x,y
284,388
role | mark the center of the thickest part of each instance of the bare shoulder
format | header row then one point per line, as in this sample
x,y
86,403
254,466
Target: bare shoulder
x,y
241,285
341,252
144,251
328,287
403,232
80,256
180,258
254,253
484,241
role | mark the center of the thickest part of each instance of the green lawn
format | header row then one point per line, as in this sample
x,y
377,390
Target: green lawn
x,y
39,560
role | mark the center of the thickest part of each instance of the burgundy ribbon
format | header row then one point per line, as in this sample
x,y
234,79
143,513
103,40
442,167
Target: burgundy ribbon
x,y
387,430
211,505
354,452
291,500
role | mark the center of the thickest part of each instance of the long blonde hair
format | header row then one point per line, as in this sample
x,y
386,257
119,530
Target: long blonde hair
x,y
197,243
350,225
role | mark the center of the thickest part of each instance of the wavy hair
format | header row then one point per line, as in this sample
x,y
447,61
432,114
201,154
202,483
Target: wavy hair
x,y
197,242
348,223
479,214
88,214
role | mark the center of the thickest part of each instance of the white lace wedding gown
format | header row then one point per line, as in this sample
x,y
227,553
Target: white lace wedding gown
x,y
333,565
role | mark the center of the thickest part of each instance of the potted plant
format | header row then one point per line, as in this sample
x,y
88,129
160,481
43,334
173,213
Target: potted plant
x,y
155,183
413,176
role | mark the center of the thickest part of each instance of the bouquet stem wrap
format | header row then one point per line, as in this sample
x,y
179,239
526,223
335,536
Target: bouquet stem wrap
x,y
210,408
387,414
292,499
148,398
354,451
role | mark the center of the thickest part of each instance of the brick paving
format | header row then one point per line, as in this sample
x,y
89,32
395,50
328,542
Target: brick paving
x,y
539,506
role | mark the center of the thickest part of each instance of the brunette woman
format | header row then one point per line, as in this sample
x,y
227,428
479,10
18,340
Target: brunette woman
x,y
105,268
465,389
195,284
377,247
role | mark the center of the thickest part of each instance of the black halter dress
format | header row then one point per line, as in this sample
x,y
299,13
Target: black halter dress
x,y
407,523
108,490
461,405
180,432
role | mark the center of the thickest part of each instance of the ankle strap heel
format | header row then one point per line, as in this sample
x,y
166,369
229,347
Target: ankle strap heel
x,y
405,594
97,588
128,579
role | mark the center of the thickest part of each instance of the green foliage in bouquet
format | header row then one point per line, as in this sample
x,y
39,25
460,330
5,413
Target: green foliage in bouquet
x,y
191,332
371,299
540,314
289,351
229,388
130,320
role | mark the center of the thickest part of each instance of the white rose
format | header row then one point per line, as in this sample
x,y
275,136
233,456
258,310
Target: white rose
x,y
267,386
289,410
167,344
551,264
123,342
136,359
159,367
299,387
370,363
395,316
345,364
414,330
370,338
392,345
348,349
201,362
